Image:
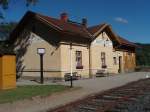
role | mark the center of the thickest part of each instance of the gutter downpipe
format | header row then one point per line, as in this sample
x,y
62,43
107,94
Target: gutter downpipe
x,y
71,75
90,73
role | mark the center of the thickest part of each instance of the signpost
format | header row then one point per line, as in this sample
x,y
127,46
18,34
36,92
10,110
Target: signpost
x,y
41,52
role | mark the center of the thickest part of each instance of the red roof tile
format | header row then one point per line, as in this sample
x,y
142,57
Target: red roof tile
x,y
125,42
94,29
67,26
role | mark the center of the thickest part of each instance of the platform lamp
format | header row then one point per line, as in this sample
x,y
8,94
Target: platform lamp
x,y
41,52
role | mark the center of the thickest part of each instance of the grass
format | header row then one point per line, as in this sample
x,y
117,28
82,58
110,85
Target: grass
x,y
26,92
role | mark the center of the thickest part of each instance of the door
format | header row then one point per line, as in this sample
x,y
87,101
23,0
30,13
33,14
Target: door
x,y
120,64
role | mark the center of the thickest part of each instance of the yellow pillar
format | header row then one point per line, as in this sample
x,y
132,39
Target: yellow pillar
x,y
7,72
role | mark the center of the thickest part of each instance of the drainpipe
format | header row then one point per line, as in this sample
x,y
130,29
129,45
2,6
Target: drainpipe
x,y
71,66
90,68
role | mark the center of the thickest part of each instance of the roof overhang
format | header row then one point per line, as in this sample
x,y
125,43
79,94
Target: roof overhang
x,y
36,17
113,36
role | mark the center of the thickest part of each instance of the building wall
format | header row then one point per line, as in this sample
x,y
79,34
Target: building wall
x,y
103,44
30,60
65,60
120,54
57,58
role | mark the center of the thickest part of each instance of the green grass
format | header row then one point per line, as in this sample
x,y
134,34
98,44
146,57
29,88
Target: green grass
x,y
26,92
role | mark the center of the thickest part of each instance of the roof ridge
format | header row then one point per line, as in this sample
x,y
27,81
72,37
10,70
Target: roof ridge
x,y
98,25
68,22
40,16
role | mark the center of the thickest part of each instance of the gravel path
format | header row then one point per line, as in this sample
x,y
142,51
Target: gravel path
x,y
131,97
89,86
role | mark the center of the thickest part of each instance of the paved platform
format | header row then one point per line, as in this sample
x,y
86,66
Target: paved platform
x,y
89,87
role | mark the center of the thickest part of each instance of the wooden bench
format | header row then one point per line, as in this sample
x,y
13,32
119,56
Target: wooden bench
x,y
101,73
75,76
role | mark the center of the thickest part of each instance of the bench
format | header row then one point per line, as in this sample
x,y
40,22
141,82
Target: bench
x,y
101,73
75,76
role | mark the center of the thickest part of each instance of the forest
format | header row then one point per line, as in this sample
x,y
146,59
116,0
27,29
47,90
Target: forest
x,y
143,54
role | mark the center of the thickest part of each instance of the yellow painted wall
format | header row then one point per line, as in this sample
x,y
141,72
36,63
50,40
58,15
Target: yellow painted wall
x,y
31,60
57,59
97,47
65,60
7,72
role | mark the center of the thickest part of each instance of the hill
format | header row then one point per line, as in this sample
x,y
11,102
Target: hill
x,y
143,55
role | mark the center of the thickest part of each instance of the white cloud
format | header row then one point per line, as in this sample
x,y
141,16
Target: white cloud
x,y
121,20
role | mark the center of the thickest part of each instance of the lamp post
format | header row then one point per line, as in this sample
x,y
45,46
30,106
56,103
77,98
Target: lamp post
x,y
41,52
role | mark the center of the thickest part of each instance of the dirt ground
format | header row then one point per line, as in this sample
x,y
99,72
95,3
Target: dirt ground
x,y
88,87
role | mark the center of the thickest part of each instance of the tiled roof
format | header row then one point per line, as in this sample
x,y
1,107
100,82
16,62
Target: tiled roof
x,y
68,26
125,42
94,29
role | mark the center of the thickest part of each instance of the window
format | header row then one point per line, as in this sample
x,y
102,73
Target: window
x,y
79,60
103,34
104,44
115,60
103,60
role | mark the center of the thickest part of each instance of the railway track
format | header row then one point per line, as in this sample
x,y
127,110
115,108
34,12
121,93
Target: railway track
x,y
133,97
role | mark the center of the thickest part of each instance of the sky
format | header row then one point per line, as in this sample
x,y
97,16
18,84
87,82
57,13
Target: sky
x,y
129,18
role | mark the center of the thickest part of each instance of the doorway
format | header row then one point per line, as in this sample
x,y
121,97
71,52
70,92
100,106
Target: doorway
x,y
120,64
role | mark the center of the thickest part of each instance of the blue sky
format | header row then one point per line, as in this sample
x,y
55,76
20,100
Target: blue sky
x,y
129,18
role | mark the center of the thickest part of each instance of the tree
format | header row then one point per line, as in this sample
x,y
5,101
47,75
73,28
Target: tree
x,y
5,5
33,2
143,55
5,30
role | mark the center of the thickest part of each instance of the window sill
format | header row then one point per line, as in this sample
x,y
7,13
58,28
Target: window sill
x,y
79,67
105,66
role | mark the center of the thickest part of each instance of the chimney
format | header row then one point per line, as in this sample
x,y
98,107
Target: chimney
x,y
64,17
84,22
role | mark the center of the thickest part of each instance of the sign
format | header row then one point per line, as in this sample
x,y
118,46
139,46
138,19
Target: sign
x,y
107,43
41,50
